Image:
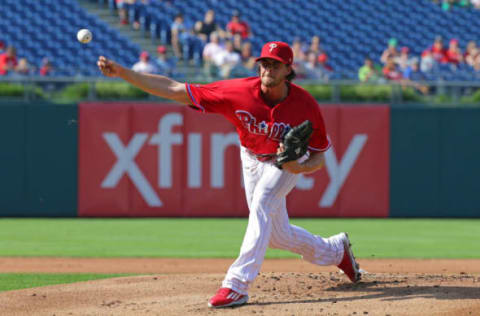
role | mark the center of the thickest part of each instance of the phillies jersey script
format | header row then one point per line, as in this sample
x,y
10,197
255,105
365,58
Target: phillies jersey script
x,y
260,126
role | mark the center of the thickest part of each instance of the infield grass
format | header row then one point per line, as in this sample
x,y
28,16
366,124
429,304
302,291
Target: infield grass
x,y
221,238
17,281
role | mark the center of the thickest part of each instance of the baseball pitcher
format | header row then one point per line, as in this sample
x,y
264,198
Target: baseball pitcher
x,y
282,135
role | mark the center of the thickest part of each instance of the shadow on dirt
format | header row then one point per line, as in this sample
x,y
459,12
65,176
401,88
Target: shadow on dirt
x,y
389,291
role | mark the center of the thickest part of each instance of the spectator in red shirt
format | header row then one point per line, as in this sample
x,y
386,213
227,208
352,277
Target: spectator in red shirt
x,y
438,51
238,26
391,72
46,68
8,60
322,61
454,54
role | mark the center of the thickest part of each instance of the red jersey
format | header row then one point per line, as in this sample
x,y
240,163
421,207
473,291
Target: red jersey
x,y
5,61
259,126
240,27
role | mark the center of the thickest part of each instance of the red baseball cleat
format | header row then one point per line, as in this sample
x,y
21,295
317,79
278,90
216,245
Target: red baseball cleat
x,y
348,265
226,297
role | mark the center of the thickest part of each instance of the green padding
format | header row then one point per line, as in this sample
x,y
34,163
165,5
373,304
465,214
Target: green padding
x,y
434,162
460,162
12,157
45,157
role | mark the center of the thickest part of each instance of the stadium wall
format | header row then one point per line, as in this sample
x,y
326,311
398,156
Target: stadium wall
x,y
160,160
38,159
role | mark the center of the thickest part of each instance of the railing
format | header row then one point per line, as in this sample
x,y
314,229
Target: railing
x,y
454,90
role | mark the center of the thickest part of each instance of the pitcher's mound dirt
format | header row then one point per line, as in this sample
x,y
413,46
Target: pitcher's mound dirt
x,y
404,287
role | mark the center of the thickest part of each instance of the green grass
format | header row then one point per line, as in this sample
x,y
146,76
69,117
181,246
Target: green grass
x,y
16,281
221,238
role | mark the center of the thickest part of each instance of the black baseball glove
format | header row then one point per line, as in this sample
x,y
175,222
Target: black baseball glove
x,y
295,143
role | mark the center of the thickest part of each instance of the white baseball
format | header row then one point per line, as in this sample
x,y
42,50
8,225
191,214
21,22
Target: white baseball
x,y
84,36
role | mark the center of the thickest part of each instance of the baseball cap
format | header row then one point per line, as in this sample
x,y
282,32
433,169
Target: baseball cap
x,y
161,49
144,54
277,50
405,49
392,42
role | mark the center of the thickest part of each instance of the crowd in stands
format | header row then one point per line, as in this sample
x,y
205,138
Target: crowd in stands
x,y
448,4
225,51
11,65
399,65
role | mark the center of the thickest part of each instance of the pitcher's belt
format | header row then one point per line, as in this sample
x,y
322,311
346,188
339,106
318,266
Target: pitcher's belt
x,y
262,157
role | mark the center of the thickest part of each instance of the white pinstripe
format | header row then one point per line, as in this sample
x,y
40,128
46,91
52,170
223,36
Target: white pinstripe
x,y
266,188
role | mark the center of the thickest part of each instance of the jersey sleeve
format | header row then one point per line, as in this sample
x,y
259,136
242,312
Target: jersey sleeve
x,y
207,98
319,142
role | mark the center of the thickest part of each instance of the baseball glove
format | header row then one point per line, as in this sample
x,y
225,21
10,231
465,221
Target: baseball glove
x,y
295,143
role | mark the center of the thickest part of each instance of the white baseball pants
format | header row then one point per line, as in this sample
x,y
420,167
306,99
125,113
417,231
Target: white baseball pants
x,y
266,188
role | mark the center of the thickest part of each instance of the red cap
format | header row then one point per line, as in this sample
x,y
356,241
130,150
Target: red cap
x,y
144,54
161,49
322,58
277,50
453,41
405,49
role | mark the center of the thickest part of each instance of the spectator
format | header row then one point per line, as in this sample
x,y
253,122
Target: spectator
x,y
23,68
246,67
299,59
427,63
180,37
391,72
368,73
212,49
238,26
322,61
403,60
390,52
470,53
226,60
475,4
438,51
237,43
8,60
144,64
209,25
454,55
313,70
164,66
298,53
122,10
412,76
315,45
2,47
46,69
476,63
246,55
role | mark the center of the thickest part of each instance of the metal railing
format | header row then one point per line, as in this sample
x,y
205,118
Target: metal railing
x,y
455,90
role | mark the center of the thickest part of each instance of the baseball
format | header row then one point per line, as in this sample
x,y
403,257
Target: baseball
x,y
84,36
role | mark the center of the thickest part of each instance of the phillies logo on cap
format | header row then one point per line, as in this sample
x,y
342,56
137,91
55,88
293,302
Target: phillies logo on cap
x,y
277,50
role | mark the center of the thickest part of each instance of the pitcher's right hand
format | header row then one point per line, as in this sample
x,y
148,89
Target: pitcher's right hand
x,y
108,67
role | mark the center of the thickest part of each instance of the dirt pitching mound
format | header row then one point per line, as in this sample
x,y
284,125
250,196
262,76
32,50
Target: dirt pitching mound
x,y
323,292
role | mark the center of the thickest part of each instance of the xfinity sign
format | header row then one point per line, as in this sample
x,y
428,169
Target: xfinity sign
x,y
338,168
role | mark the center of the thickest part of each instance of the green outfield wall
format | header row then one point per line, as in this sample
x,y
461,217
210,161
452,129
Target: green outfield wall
x,y
38,159
434,157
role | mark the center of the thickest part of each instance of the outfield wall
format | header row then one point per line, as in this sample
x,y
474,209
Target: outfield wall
x,y
148,159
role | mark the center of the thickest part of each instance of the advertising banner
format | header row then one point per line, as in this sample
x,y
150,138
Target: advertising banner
x,y
153,159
